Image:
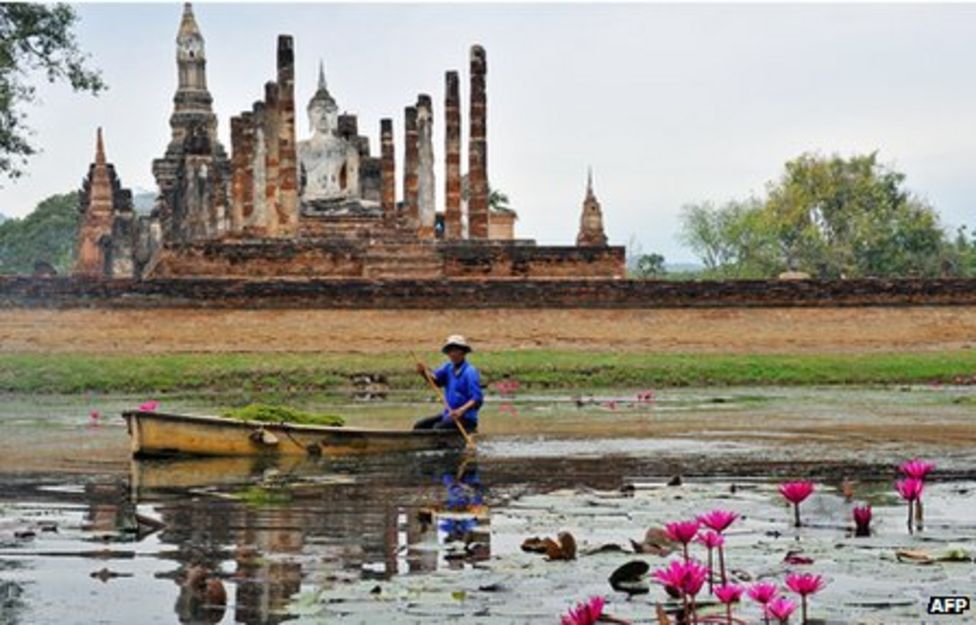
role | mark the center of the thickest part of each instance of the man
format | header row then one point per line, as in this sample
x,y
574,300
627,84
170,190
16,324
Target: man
x,y
462,388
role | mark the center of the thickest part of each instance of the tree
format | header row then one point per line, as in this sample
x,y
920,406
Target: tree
x,y
47,234
35,38
829,217
650,266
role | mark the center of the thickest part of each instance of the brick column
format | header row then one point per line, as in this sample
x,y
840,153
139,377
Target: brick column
x,y
287,182
237,164
478,149
271,158
387,171
247,165
452,157
426,210
410,162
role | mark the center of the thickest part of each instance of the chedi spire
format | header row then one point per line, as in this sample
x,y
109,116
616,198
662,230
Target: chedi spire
x,y
591,233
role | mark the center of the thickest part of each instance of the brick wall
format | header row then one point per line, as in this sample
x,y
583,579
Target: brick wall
x,y
357,293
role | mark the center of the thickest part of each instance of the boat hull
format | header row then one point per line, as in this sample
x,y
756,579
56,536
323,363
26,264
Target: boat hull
x,y
155,434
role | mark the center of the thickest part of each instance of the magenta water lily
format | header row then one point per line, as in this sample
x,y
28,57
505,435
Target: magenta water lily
x,y
917,468
805,584
795,493
763,593
719,521
682,532
910,490
585,613
729,594
687,577
781,609
862,520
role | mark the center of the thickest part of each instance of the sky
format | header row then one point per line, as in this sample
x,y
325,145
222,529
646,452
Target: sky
x,y
669,104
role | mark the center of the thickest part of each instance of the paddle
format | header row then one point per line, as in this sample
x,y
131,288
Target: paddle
x,y
457,421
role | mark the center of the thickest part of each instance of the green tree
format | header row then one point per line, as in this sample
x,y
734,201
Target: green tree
x,y
650,266
47,234
35,38
829,217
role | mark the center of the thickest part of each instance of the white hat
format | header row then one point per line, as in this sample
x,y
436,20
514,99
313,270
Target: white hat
x,y
456,340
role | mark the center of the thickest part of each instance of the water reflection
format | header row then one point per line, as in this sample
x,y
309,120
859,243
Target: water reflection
x,y
266,527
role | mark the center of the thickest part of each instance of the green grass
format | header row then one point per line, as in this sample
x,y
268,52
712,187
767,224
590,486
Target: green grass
x,y
273,376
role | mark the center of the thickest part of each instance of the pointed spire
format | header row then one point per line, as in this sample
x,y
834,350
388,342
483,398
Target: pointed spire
x,y
589,180
322,86
99,148
188,25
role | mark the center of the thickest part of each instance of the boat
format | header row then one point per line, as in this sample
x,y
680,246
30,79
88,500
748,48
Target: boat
x,y
158,434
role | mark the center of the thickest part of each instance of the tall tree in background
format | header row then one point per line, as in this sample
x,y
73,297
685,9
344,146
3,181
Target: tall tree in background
x,y
46,235
829,217
35,38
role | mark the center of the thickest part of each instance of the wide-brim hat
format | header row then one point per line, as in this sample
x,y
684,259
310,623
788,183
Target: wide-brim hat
x,y
456,340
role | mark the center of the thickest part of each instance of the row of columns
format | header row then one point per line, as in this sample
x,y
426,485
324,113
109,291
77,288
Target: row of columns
x,y
418,209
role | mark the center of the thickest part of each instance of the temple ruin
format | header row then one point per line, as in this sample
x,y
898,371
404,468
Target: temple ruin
x,y
323,206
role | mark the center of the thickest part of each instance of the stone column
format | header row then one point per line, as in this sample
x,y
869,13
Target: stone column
x,y
287,182
426,209
247,166
272,158
452,158
478,148
388,171
410,162
237,163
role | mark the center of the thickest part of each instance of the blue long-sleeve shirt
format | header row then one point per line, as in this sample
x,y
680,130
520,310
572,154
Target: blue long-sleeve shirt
x,y
460,385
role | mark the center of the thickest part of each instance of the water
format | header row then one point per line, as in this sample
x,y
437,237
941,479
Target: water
x,y
88,536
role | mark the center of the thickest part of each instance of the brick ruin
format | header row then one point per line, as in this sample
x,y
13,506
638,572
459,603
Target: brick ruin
x,y
325,206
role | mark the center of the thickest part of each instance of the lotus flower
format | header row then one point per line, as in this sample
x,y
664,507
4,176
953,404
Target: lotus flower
x,y
586,613
763,593
711,540
917,468
718,520
687,577
862,520
781,608
729,594
94,415
683,532
910,490
149,406
795,493
804,584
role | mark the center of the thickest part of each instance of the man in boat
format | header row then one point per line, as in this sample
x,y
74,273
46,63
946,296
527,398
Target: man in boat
x,y
462,388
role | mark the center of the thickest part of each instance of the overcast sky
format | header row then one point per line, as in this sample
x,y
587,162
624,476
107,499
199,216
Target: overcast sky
x,y
670,104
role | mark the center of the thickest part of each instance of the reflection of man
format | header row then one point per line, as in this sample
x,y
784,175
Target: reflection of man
x,y
462,388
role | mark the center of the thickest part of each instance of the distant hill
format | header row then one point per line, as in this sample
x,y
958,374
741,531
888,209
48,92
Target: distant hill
x,y
683,267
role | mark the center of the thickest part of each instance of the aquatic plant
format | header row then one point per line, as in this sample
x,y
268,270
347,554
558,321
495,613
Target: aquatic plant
x,y
763,593
910,490
729,594
682,532
149,406
917,468
272,413
862,520
585,613
712,540
805,584
795,493
719,521
781,608
687,577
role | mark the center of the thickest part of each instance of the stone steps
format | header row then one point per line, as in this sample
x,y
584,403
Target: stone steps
x,y
407,259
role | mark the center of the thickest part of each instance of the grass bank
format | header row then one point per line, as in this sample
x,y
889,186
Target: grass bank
x,y
290,374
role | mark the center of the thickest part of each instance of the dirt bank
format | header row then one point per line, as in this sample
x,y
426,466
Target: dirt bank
x,y
730,330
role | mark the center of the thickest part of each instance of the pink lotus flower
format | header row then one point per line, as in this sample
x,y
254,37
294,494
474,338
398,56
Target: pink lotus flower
x,y
805,583
862,520
763,592
718,520
795,493
781,608
710,539
917,468
586,613
683,532
910,488
729,593
94,415
149,406
687,577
